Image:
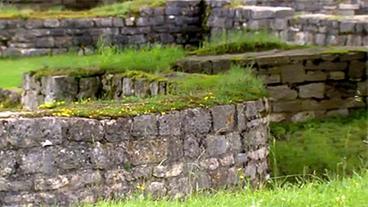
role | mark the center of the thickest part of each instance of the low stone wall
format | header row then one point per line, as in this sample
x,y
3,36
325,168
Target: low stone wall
x,y
63,161
322,29
223,18
302,84
40,90
178,22
313,29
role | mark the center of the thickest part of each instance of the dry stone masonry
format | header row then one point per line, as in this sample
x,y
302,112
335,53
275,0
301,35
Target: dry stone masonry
x,y
48,89
62,161
180,22
302,84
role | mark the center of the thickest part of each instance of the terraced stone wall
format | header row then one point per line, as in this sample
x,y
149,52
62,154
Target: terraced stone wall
x,y
58,161
322,30
302,84
48,89
178,22
305,29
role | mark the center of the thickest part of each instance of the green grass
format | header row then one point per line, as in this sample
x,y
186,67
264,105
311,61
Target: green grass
x,y
336,145
188,91
153,60
348,192
118,9
241,41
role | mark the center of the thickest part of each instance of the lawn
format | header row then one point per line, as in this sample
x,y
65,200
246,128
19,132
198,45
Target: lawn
x,y
348,192
121,9
150,59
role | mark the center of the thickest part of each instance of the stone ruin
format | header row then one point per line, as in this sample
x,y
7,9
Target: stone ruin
x,y
64,161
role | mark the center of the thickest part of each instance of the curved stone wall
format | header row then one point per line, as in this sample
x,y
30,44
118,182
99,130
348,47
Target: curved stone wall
x,y
40,90
63,161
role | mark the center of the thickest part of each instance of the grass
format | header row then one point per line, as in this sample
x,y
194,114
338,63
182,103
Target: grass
x,y
189,91
241,41
337,145
130,7
148,59
348,192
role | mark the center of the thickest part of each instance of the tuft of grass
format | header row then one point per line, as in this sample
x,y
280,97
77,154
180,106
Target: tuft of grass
x,y
337,145
336,193
122,9
241,41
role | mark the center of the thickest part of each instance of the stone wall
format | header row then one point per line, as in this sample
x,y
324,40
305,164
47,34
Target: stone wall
x,y
48,89
313,29
322,29
62,161
178,22
303,83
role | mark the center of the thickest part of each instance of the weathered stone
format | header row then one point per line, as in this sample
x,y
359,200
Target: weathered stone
x,y
60,88
196,121
192,148
223,118
357,69
54,183
145,126
89,88
8,162
336,75
292,74
156,189
86,130
210,164
170,124
313,90
217,145
303,116
282,92
146,152
38,162
117,130
72,157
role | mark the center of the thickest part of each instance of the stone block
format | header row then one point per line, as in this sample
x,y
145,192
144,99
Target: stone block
x,y
72,157
38,161
117,130
313,90
223,118
357,69
336,75
192,147
8,162
292,74
60,88
89,87
196,121
282,92
147,151
145,126
217,145
262,13
170,124
85,130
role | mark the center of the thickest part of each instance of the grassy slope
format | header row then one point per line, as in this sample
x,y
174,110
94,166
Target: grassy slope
x,y
338,193
336,145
